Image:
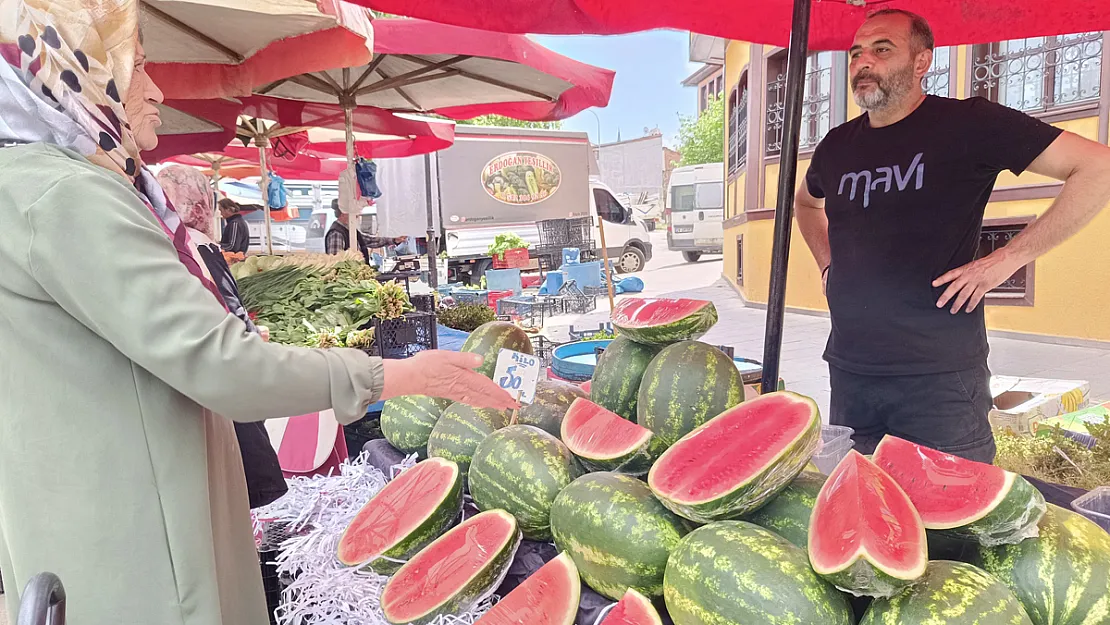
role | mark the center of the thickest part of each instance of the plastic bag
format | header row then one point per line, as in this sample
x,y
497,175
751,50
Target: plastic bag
x,y
276,195
367,172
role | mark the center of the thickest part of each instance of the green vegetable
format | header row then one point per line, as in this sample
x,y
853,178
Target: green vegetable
x,y
466,317
506,241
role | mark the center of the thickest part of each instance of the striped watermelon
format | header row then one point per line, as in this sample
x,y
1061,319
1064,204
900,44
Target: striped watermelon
x,y
407,421
660,321
490,338
479,551
737,573
550,404
965,499
684,386
740,459
788,513
461,429
520,469
950,593
1060,577
633,609
618,534
549,596
603,441
865,536
616,381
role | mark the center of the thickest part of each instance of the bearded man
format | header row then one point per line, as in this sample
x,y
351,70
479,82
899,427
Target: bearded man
x,y
892,210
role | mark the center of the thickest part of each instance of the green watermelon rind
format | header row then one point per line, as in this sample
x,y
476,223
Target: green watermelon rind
x,y
407,421
1060,577
615,385
953,593
550,405
635,459
689,328
864,579
733,572
490,338
460,430
505,475
480,586
789,512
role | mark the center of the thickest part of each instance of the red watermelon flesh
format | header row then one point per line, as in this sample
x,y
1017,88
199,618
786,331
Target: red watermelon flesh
x,y
595,434
662,321
585,385
865,535
633,609
549,596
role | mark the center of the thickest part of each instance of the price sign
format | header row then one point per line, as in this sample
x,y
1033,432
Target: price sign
x,y
517,373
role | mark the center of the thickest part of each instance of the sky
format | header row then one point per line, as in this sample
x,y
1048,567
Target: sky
x,y
648,89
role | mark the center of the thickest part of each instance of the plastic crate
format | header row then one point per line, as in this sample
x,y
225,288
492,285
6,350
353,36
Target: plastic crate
x,y
579,335
515,258
542,348
560,233
528,308
495,297
1095,505
424,303
471,296
402,337
574,301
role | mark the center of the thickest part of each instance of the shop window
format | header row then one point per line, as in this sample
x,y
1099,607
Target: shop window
x,y
739,260
738,128
1039,74
996,234
817,102
937,81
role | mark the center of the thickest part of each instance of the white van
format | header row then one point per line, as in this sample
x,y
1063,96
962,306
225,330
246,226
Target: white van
x,y
696,210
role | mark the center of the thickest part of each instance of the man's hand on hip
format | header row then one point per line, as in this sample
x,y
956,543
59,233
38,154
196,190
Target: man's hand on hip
x,y
967,285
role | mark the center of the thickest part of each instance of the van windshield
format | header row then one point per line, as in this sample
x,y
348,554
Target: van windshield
x,y
701,196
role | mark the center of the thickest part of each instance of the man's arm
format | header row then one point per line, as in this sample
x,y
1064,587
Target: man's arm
x,y
1084,166
814,224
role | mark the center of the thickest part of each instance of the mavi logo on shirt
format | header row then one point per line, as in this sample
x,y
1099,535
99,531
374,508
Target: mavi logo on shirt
x,y
883,178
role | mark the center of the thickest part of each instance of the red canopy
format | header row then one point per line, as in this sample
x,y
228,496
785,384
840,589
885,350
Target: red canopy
x,y
240,162
759,21
191,127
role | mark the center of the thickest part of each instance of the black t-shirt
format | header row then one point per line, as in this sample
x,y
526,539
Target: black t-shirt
x,y
905,204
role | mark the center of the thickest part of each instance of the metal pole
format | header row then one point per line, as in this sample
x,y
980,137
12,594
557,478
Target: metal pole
x,y
784,209
605,256
433,272
215,199
349,129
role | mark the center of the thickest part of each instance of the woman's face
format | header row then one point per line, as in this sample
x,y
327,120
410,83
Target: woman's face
x,y
140,105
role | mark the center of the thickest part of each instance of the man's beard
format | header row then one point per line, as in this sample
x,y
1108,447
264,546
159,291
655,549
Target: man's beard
x,y
887,90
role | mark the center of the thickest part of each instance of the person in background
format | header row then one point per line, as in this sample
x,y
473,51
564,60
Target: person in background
x,y
338,238
236,237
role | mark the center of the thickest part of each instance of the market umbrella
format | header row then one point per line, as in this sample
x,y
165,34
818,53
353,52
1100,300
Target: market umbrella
x,y
184,132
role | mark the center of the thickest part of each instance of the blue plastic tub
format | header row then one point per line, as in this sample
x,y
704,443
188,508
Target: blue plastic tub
x,y
576,361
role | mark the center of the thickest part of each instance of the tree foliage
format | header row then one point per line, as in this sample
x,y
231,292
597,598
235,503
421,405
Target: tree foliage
x,y
509,122
701,138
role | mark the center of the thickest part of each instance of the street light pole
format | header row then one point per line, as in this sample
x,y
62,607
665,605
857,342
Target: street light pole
x,y
594,113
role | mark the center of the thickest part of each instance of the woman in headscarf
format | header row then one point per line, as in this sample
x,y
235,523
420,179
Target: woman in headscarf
x,y
116,472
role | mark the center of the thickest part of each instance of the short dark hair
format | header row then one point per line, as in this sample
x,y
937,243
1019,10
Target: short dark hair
x,y
230,205
921,34
335,208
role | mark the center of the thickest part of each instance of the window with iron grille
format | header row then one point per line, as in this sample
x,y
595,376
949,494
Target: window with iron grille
x,y
937,81
1040,73
738,128
817,104
1018,289
739,260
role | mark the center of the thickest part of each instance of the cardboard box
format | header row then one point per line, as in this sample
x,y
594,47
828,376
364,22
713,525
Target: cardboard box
x,y
1021,403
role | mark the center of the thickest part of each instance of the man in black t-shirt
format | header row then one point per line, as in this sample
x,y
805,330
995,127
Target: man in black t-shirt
x,y
892,207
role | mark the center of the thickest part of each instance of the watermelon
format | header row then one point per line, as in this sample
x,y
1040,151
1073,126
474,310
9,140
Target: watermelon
x,y
684,386
407,421
950,593
490,338
660,321
737,573
788,513
618,534
550,404
617,376
633,609
454,573
965,499
585,386
412,510
603,441
521,469
1060,576
549,596
739,460
459,431
865,536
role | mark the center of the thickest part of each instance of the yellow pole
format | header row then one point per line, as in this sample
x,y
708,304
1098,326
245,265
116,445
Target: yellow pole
x,y
605,255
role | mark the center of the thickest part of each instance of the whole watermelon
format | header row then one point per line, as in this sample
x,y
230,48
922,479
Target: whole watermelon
x,y
953,593
616,382
521,469
684,386
788,513
490,338
461,429
737,573
550,405
618,534
407,421
1060,576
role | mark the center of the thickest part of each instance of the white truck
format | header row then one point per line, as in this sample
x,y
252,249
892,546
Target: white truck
x,y
696,210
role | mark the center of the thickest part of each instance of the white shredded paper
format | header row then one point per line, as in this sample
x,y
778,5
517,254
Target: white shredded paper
x,y
310,518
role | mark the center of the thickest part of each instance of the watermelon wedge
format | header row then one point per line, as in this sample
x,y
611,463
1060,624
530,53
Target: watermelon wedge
x,y
586,386
454,573
633,609
659,321
865,537
739,460
964,499
549,596
605,441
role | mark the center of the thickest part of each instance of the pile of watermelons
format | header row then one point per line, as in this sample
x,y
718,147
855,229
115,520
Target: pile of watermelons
x,y
666,491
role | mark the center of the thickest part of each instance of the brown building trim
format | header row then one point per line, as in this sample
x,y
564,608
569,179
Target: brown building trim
x,y
1104,94
1080,111
757,91
755,214
1040,191
1028,298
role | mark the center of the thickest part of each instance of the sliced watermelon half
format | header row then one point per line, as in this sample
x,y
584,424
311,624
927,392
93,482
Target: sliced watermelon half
x,y
738,460
550,596
404,517
586,386
963,498
660,321
633,609
454,573
605,441
864,535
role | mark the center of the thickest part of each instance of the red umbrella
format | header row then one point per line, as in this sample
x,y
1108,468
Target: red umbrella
x,y
194,130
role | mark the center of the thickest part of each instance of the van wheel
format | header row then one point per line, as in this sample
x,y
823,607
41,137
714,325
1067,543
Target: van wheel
x,y
691,257
631,260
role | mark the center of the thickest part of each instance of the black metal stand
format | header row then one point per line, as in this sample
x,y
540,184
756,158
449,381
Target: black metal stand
x,y
433,248
784,209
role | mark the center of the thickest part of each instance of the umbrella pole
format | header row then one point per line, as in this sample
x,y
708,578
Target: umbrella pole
x,y
349,130
215,196
262,142
433,273
784,209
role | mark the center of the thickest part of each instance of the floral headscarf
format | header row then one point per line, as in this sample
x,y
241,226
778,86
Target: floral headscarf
x,y
191,195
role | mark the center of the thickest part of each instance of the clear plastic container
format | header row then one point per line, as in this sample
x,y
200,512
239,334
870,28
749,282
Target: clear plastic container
x,y
1095,505
833,433
830,454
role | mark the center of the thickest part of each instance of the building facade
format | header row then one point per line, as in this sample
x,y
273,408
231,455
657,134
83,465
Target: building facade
x,y
1063,295
709,79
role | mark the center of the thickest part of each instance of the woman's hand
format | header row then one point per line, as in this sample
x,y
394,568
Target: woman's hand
x,y
446,374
